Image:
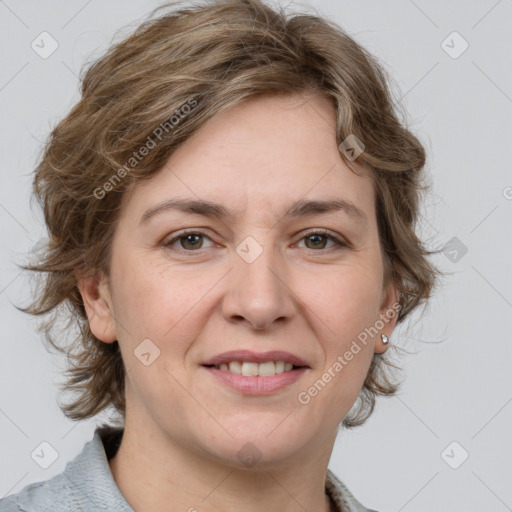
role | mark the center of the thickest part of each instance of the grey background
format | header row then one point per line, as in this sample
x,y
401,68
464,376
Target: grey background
x,y
458,379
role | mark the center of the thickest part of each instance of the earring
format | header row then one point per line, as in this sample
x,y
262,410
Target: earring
x,y
384,338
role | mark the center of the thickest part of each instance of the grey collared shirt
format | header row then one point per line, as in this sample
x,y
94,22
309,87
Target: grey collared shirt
x,y
87,484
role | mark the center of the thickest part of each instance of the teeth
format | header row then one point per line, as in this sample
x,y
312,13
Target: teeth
x,y
265,369
235,367
249,369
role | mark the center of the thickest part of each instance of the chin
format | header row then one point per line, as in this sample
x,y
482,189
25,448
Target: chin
x,y
258,444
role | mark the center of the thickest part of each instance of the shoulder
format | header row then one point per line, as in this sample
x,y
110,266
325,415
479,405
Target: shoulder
x,y
85,485
345,501
38,496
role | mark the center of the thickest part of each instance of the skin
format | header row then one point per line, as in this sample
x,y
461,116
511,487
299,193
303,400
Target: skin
x,y
197,298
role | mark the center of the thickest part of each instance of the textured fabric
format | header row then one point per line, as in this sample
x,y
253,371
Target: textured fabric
x,y
87,484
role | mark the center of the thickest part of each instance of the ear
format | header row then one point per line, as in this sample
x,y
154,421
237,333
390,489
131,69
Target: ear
x,y
98,305
388,315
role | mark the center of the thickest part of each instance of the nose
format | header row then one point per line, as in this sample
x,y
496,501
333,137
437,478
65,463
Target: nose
x,y
259,293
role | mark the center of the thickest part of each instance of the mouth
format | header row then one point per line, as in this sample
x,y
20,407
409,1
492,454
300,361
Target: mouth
x,y
254,373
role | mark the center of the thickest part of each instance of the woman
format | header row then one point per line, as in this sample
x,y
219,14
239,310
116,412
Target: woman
x,y
231,208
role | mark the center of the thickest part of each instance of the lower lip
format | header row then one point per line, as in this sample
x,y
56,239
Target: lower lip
x,y
256,385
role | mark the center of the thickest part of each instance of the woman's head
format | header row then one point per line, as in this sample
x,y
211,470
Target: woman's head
x,y
239,105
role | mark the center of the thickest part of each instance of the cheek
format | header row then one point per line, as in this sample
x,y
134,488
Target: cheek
x,y
347,306
349,303
349,350
159,301
147,303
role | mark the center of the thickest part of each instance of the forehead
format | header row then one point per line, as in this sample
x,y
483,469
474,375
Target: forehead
x,y
265,153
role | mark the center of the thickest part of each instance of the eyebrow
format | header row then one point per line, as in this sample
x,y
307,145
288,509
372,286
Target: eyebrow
x,y
300,208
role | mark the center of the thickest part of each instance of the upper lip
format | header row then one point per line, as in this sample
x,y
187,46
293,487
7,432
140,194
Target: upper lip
x,y
255,357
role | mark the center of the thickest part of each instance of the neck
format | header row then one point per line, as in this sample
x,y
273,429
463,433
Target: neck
x,y
156,474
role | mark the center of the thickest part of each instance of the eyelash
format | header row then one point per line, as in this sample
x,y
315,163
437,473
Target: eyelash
x,y
340,243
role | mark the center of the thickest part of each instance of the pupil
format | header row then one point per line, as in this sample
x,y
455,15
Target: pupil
x,y
311,237
188,237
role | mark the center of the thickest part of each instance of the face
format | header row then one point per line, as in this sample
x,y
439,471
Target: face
x,y
265,269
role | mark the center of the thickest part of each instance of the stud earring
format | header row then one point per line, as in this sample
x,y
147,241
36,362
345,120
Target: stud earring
x,y
384,338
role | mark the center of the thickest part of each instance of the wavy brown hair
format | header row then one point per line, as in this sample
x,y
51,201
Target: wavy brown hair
x,y
212,55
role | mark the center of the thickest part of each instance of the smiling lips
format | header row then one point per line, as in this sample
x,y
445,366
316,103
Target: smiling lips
x,y
256,373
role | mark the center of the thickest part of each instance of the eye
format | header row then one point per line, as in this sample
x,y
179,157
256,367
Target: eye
x,y
189,241
315,239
